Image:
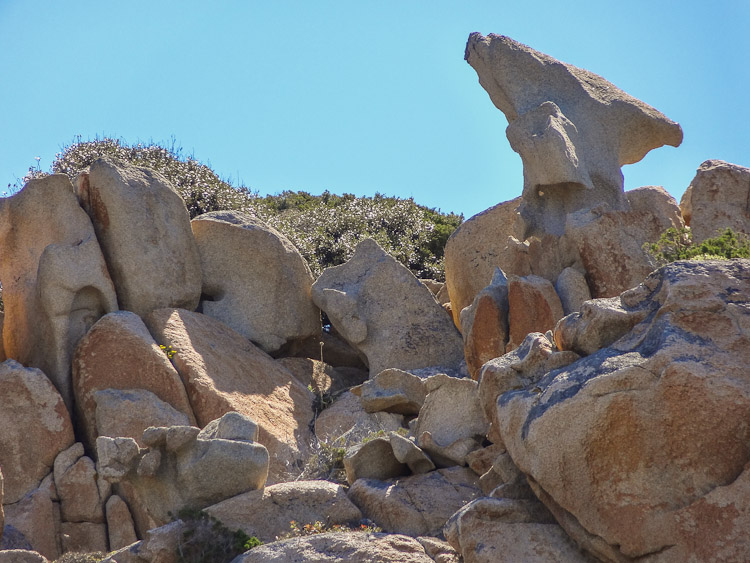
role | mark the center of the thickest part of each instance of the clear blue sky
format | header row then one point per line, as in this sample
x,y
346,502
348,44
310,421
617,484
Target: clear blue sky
x,y
356,96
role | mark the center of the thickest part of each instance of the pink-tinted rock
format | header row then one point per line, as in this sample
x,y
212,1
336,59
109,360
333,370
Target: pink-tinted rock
x,y
533,307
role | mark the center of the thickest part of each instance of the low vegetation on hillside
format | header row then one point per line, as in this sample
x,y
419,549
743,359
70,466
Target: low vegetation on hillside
x,y
324,228
677,244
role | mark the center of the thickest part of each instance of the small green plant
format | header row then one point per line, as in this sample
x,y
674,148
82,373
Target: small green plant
x,y
677,244
206,540
76,557
326,462
168,351
297,530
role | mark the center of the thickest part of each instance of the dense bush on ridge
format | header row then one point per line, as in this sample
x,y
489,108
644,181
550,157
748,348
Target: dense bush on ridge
x,y
677,244
324,228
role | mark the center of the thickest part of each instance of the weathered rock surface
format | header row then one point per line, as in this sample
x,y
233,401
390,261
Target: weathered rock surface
x,y
489,530
639,449
34,428
609,243
378,306
34,518
572,289
181,467
224,372
418,505
717,198
392,390
55,281
346,422
533,306
573,129
254,280
159,545
2,514
519,369
267,513
83,537
144,231
450,424
21,556
76,485
322,377
120,527
485,324
475,249
119,353
373,459
406,451
341,547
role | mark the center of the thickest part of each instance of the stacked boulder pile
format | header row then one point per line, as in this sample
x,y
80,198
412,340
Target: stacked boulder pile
x,y
567,403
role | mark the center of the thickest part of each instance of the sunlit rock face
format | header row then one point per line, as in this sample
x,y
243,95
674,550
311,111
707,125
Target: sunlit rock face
x,y
572,128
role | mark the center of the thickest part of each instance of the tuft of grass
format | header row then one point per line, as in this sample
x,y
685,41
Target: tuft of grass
x,y
77,557
297,530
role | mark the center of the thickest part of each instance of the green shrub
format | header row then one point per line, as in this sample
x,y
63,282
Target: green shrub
x,y
76,557
324,228
676,244
206,540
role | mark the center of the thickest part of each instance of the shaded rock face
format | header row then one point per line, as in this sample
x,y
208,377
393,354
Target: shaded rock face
x,y
378,306
717,198
181,467
143,228
254,280
640,449
223,371
34,428
267,513
341,547
55,281
573,129
118,353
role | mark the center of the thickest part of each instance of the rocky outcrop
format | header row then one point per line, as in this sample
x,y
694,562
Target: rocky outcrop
x,y
392,390
120,527
475,249
223,371
55,280
346,422
254,280
634,446
490,530
144,231
716,199
119,353
182,467
267,514
533,306
484,324
34,428
378,306
341,547
573,129
418,505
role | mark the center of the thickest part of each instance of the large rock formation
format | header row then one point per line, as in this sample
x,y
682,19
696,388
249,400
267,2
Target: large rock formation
x,y
640,449
223,371
254,280
717,198
144,231
55,282
182,467
573,129
381,308
118,353
34,428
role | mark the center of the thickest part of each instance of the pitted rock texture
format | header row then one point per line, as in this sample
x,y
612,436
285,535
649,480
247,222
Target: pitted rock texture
x,y
716,199
34,427
572,128
640,449
378,306
223,371
55,281
143,227
254,280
